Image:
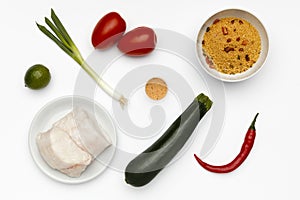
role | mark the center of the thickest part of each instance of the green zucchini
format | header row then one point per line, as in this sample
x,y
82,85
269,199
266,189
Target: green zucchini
x,y
143,168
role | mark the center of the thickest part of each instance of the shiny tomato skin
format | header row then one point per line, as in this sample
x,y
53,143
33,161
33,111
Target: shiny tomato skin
x,y
138,42
108,30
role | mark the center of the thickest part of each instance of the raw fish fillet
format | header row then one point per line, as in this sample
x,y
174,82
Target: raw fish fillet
x,y
60,151
77,124
73,142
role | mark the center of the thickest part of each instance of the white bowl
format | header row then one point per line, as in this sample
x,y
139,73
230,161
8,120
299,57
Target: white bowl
x,y
58,108
264,45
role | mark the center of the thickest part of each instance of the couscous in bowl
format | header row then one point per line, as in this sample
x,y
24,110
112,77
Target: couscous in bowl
x,y
232,45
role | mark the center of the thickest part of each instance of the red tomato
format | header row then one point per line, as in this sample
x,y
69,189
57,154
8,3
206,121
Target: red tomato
x,y
108,30
138,42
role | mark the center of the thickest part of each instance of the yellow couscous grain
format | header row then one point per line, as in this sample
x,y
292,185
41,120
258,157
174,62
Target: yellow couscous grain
x,y
231,45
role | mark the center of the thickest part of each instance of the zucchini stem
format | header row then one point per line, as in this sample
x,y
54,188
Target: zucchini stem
x,y
202,98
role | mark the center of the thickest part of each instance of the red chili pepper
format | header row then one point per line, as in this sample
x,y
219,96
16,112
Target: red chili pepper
x,y
239,159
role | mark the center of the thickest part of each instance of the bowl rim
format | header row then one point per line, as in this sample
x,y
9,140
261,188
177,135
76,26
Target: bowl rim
x,y
222,76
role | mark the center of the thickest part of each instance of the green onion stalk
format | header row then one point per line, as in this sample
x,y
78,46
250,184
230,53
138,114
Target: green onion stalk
x,y
64,41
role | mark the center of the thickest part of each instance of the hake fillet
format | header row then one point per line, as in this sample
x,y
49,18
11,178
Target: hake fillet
x,y
85,131
73,142
60,151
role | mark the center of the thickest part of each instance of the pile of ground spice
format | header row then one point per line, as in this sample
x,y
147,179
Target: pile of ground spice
x,y
156,88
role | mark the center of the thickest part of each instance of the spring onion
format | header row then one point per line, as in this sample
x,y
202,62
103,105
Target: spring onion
x,y
64,41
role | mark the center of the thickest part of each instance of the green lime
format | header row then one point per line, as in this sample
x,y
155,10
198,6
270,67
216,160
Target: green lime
x,y
37,77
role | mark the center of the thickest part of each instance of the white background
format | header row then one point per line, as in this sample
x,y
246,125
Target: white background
x,y
270,172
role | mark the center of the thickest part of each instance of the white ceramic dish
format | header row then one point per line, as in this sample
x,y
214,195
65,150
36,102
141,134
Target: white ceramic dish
x,y
52,112
264,45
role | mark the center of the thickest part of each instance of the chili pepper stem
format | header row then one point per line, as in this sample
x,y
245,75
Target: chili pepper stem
x,y
252,126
